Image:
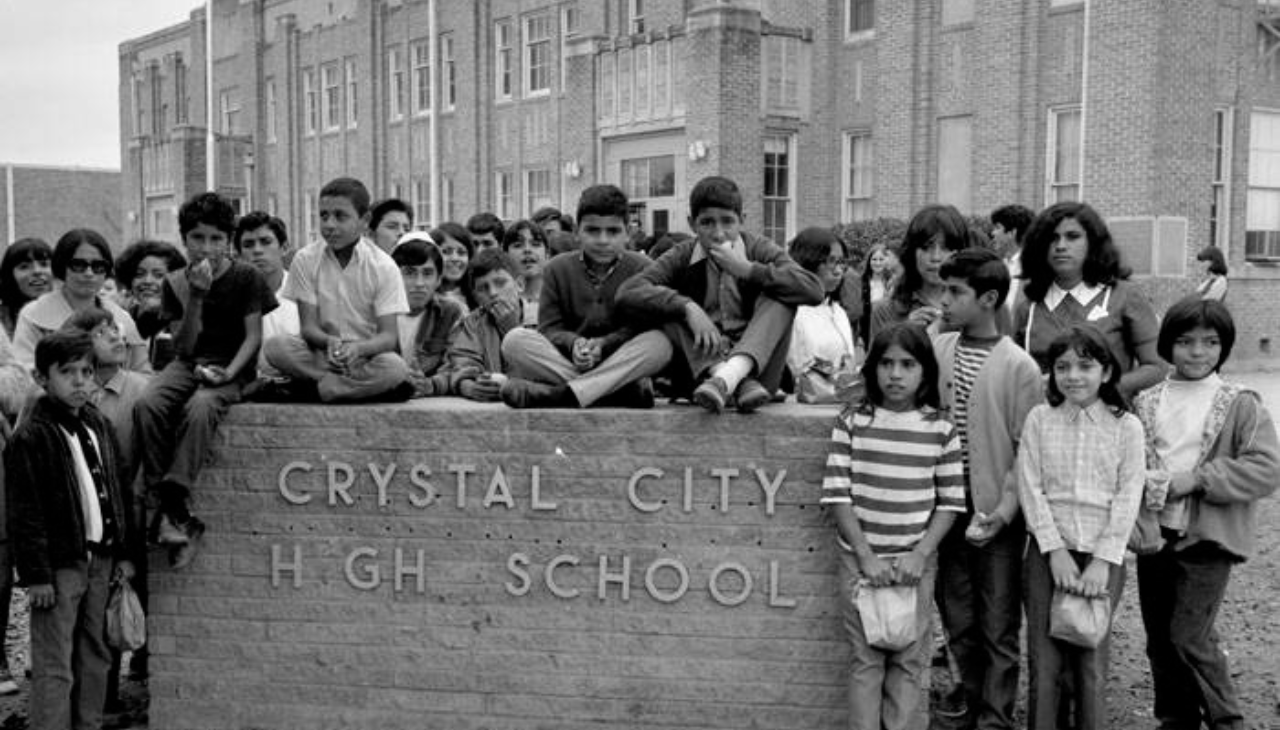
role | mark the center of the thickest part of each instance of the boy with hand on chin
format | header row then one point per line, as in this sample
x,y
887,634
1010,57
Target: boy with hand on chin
x,y
350,297
987,386
726,300
218,303
476,369
71,533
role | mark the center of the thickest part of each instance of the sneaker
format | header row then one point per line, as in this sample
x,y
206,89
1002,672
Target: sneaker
x,y
168,533
7,685
952,705
712,394
750,395
180,556
521,393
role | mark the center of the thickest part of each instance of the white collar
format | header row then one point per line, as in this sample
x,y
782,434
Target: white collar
x,y
1081,292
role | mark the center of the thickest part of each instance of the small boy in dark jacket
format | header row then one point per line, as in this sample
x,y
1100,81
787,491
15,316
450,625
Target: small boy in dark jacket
x,y
71,531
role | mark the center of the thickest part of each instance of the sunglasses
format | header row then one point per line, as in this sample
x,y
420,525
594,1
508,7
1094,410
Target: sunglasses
x,y
80,266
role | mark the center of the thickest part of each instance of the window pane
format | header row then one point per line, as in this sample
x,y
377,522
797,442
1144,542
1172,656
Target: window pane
x,y
1066,163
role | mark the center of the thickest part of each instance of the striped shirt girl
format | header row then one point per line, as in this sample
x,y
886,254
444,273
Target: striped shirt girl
x,y
895,468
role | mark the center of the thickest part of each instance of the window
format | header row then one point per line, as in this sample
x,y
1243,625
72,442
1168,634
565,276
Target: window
x,y
503,71
568,29
1063,3
661,78
421,78
635,16
446,198
642,81
353,95
537,189
778,216
608,82
229,104
332,85
1063,156
449,72
537,54
180,100
649,177
395,73
422,200
859,200
955,162
156,105
310,102
783,71
624,83
273,113
1220,207
859,19
502,195
955,12
1262,224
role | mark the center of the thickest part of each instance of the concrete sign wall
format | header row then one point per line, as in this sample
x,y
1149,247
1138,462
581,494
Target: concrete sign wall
x,y
449,565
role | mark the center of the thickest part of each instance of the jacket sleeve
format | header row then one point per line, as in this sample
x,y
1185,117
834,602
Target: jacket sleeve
x,y
466,356
1028,392
1249,465
557,295
652,292
781,278
28,528
1035,506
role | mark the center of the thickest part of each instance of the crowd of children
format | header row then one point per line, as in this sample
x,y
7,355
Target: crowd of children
x,y
990,458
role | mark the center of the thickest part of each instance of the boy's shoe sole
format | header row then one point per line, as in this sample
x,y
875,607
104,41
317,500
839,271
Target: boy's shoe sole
x,y
167,533
712,395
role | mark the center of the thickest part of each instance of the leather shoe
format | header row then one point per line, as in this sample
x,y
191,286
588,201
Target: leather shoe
x,y
521,393
712,394
750,395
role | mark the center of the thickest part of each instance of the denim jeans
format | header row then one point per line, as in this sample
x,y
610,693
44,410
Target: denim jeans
x,y
979,600
887,690
69,657
1180,592
1049,660
6,594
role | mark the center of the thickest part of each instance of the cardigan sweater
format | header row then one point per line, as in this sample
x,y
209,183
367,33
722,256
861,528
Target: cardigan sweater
x,y
1239,464
46,524
1005,390
571,307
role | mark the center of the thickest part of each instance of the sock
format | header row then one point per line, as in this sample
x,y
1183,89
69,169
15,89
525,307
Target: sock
x,y
733,371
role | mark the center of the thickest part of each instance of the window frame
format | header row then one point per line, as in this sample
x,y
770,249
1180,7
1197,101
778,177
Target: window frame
x,y
330,97
421,83
852,13
788,198
351,92
503,57
849,193
540,46
396,88
310,102
1220,202
448,74
542,200
1052,183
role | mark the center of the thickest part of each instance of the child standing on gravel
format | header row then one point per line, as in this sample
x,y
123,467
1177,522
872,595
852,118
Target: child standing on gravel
x,y
1214,445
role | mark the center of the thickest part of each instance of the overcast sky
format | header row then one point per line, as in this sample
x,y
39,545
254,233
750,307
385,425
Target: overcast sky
x,y
59,69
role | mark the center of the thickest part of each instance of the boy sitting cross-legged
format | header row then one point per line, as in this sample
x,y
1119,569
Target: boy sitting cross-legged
x,y
217,304
726,300
71,531
350,297
583,351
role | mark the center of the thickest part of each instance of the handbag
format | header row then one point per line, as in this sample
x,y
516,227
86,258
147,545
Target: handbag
x,y
1077,620
888,615
826,382
126,623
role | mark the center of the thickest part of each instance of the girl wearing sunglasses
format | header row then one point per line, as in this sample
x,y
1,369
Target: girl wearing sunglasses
x,y
81,263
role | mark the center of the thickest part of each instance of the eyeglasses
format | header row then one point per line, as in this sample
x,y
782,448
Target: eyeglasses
x,y
80,266
834,261
106,329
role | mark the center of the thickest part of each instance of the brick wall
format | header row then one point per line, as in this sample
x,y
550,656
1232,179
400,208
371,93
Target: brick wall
x,y
49,201
484,641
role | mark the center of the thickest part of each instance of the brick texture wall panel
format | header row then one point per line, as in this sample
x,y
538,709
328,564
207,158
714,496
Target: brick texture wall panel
x,y
465,652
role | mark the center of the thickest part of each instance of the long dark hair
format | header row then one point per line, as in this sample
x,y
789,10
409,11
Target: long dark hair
x,y
19,252
915,341
1086,341
928,222
1102,264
